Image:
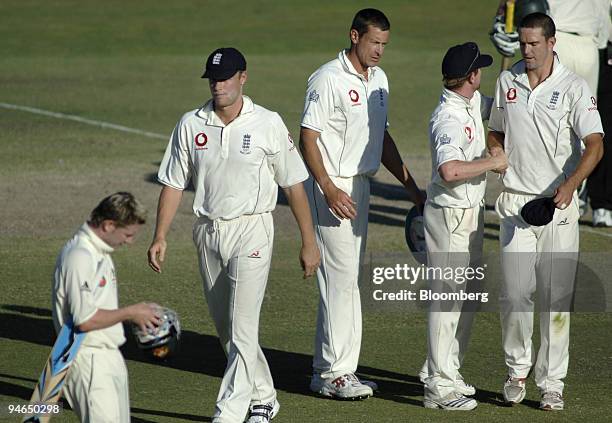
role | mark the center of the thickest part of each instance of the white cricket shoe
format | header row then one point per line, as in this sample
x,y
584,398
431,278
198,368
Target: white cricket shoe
x,y
461,385
345,387
602,217
514,390
551,401
464,388
453,401
262,413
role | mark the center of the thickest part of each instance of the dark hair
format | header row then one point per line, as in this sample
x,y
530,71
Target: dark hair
x,y
120,207
539,20
366,17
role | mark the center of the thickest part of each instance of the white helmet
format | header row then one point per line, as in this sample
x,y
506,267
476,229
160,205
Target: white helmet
x,y
162,342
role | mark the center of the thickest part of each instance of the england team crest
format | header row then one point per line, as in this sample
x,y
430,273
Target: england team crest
x,y
246,144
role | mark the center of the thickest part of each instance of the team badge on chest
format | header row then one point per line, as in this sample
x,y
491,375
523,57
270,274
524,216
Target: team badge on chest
x,y
552,104
246,144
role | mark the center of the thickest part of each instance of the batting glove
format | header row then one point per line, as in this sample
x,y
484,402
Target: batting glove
x,y
505,43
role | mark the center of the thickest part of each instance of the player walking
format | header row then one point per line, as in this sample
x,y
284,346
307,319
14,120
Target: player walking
x,y
343,139
541,112
236,153
453,218
85,291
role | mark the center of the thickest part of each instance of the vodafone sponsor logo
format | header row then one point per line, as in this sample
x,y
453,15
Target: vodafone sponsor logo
x,y
200,141
511,95
469,133
354,96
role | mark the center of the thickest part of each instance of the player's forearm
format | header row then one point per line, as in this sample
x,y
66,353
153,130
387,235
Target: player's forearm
x,y
298,202
591,156
392,160
105,318
457,170
495,140
169,201
313,158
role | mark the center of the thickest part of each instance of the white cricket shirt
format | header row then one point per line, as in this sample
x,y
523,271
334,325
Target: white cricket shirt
x,y
85,281
456,132
543,127
584,17
350,114
235,168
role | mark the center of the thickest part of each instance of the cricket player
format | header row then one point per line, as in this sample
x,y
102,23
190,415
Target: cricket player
x,y
236,153
581,29
343,139
541,112
85,291
453,218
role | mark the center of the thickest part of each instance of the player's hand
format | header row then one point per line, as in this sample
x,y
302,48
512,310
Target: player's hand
x,y
156,254
145,315
505,43
339,202
310,258
499,162
565,194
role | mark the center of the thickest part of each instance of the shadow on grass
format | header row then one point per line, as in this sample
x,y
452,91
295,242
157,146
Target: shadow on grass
x,y
201,353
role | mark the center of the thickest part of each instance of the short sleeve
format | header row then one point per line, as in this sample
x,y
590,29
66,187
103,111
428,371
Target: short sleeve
x,y
174,170
319,102
287,165
78,278
584,115
447,141
497,119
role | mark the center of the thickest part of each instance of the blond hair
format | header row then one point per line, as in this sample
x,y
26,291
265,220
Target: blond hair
x,y
120,207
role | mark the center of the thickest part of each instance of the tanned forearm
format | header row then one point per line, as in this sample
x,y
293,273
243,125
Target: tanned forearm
x,y
392,160
298,202
457,170
495,140
591,156
312,156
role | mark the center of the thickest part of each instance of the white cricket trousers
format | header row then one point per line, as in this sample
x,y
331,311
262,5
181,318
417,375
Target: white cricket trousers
x,y
454,239
580,55
234,262
342,243
96,386
546,258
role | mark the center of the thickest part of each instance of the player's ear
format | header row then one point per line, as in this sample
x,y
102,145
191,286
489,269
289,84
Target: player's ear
x,y
108,225
354,36
472,76
243,77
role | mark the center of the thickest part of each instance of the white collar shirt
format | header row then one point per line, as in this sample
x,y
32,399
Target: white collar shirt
x,y
542,127
456,132
85,281
587,18
236,168
350,114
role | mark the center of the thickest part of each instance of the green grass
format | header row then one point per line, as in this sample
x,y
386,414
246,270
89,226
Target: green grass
x,y
138,64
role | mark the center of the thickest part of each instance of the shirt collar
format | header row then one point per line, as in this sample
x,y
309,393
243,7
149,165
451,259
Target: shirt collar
x,y
95,240
207,112
520,72
453,99
348,66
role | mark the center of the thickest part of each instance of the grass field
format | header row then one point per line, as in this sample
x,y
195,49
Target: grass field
x,y
138,64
